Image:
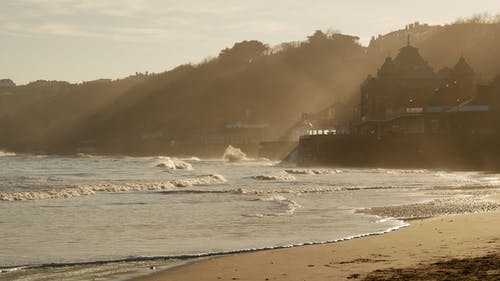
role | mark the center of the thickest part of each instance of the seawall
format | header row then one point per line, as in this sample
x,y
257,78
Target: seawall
x,y
469,152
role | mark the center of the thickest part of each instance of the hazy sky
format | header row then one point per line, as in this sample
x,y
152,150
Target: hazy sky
x,y
84,40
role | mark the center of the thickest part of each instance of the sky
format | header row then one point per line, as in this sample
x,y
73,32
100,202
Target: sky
x,y
77,41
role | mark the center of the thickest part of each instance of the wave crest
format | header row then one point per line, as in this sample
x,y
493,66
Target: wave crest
x,y
290,205
6,153
67,192
200,180
233,154
85,190
174,164
284,177
312,171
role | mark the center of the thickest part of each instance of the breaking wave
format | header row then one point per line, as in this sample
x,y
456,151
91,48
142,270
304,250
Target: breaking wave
x,y
257,192
290,205
233,154
174,164
172,187
284,177
85,190
6,153
272,191
402,171
200,180
463,178
85,155
192,159
313,171
58,193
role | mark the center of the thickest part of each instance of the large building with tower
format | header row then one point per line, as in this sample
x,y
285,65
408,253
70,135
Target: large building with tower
x,y
405,88
413,116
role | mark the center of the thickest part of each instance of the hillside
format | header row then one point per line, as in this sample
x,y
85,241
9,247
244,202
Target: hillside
x,y
250,84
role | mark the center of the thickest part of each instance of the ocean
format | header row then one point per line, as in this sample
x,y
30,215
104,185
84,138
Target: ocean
x,y
109,211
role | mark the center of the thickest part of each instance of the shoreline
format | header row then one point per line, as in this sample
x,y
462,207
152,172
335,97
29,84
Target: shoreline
x,y
189,258
160,267
424,242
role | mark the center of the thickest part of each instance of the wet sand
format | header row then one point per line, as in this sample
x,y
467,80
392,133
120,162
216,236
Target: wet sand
x,y
428,246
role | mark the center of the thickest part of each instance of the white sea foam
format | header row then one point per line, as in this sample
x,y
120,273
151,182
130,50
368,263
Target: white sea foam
x,y
67,192
166,186
233,154
192,159
294,190
85,190
259,192
313,171
6,153
167,164
402,171
200,180
290,205
84,155
131,186
181,165
283,177
273,197
13,269
460,178
382,220
172,185
174,164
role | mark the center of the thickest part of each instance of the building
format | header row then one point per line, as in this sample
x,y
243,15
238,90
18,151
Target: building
x,y
407,96
411,116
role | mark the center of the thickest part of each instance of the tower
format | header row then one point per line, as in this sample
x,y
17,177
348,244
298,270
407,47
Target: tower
x,y
464,76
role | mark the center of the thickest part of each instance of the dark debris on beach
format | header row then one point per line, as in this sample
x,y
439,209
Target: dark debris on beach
x,y
485,268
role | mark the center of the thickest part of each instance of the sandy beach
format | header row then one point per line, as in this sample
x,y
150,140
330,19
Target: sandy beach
x,y
420,248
